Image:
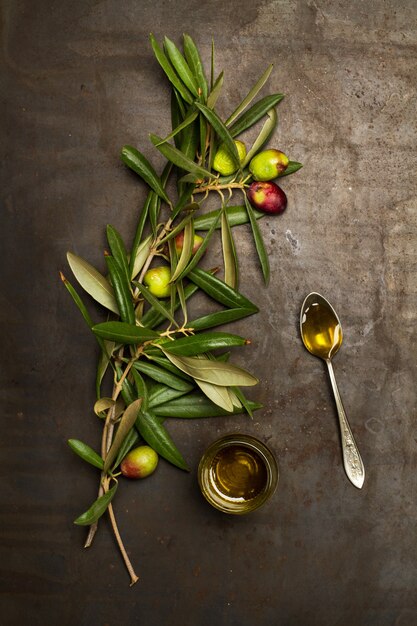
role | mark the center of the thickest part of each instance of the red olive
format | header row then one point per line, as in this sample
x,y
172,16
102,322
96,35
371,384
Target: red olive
x,y
267,197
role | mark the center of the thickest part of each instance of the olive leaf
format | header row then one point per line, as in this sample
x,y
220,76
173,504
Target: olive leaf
x,y
104,362
141,254
187,250
137,241
217,394
177,116
129,394
215,91
196,405
141,166
103,404
155,303
189,209
124,333
188,120
141,389
86,453
178,158
203,342
170,72
188,147
252,115
97,509
231,269
93,282
126,424
194,61
204,130
222,132
161,394
155,203
265,133
180,104
80,304
218,290
292,167
118,250
234,398
250,96
181,66
247,404
184,201
220,317
259,242
122,291
161,375
178,286
236,215
195,259
157,436
152,318
218,373
131,439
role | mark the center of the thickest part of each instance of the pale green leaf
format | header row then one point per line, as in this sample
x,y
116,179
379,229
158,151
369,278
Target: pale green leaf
x,y
126,423
141,255
94,283
215,393
265,133
216,372
186,251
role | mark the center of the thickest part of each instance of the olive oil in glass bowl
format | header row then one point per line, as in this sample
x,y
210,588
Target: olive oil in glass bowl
x,y
237,474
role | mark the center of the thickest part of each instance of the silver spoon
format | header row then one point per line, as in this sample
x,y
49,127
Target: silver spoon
x,y
322,335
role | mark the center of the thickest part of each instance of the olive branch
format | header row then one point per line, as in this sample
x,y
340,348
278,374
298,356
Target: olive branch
x,y
163,364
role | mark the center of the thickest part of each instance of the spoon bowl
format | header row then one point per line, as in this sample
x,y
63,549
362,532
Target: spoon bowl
x,y
321,332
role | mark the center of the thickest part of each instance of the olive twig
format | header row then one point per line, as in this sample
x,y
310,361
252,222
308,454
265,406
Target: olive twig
x,y
133,577
215,187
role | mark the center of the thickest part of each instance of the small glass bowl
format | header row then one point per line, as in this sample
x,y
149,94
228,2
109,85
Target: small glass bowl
x,y
237,474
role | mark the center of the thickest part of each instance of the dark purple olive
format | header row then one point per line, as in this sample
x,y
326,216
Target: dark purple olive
x,y
267,197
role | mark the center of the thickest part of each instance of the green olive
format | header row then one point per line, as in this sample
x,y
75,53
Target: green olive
x,y
223,162
268,164
140,462
157,280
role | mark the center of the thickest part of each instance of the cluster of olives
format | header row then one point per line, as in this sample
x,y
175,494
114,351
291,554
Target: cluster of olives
x,y
263,194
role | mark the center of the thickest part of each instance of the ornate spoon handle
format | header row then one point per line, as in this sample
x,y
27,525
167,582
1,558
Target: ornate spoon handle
x,y
351,458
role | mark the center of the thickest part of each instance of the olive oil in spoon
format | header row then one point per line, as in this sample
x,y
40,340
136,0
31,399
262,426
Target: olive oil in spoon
x,y
322,335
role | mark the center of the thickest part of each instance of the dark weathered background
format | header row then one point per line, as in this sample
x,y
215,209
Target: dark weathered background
x,y
79,81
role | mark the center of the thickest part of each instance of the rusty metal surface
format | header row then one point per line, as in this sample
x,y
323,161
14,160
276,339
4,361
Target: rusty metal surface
x,y
78,82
